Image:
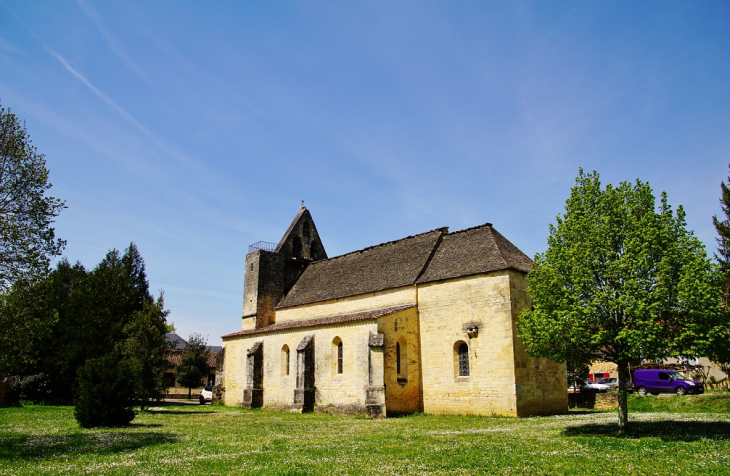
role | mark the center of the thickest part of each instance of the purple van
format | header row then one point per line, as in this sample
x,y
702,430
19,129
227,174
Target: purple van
x,y
657,381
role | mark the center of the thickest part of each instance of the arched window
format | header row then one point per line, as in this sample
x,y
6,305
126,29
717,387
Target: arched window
x,y
296,248
397,358
463,360
337,356
285,360
461,354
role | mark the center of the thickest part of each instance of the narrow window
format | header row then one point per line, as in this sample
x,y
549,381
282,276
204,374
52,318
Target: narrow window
x,y
339,358
463,360
296,248
285,356
401,358
313,250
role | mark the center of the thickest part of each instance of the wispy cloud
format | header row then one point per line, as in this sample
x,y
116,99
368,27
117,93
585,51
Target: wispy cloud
x,y
169,150
119,109
112,42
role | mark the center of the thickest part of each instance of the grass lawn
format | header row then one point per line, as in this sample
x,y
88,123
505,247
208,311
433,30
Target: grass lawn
x,y
208,440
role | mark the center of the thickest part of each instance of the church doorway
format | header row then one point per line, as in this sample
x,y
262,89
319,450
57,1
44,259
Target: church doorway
x,y
253,394
304,394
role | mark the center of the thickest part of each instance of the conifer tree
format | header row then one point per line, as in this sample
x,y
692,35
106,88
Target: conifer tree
x,y
720,350
105,393
144,348
722,255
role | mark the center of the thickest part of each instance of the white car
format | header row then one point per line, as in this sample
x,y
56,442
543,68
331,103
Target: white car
x,y
206,395
589,386
612,382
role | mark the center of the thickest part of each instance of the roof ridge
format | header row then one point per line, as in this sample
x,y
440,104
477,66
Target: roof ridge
x,y
443,229
431,255
496,245
489,225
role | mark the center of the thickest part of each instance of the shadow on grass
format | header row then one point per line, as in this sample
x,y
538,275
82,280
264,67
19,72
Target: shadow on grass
x,y
665,430
78,444
179,412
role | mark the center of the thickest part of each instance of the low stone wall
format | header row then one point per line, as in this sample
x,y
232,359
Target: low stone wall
x,y
606,401
593,401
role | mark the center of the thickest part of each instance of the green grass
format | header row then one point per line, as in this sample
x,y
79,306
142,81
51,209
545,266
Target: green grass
x,y
716,402
218,440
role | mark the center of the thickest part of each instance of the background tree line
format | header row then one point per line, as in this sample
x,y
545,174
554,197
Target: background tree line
x,y
52,327
96,338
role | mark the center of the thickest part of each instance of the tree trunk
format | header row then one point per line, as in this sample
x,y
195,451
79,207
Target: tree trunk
x,y
623,410
189,391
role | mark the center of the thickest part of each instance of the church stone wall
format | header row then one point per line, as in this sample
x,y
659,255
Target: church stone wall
x,y
348,305
235,371
345,392
475,310
542,387
402,391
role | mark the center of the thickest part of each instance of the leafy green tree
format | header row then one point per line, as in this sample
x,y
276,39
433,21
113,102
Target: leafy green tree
x,y
106,392
27,239
26,324
193,366
620,281
144,347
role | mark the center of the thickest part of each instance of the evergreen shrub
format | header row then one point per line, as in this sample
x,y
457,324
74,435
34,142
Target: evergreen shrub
x,y
105,393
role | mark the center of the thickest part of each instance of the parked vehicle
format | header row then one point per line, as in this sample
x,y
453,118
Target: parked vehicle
x,y
656,381
612,382
589,386
206,395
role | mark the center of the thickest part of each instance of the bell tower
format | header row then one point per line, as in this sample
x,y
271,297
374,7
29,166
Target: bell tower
x,y
272,269
301,241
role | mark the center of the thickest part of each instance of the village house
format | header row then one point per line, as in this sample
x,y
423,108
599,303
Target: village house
x,y
173,355
425,323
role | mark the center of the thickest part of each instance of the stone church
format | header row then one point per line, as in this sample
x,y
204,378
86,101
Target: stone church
x,y
426,323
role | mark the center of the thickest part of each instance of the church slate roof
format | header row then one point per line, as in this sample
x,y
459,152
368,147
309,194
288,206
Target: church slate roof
x,y
385,266
323,321
476,250
431,256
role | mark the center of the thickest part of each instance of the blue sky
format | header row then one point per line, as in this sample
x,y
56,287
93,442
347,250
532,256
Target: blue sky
x,y
196,128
